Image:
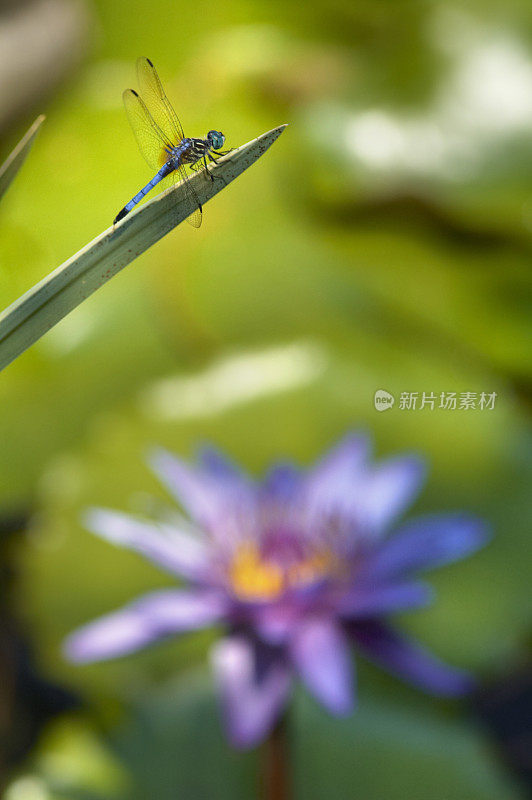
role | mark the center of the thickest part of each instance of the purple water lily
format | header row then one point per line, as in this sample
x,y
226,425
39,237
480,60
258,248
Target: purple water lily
x,y
296,568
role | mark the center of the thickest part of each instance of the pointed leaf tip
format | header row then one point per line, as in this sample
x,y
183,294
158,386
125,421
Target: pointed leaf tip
x,y
18,155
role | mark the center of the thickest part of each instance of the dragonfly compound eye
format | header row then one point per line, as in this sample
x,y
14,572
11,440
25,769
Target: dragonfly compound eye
x,y
216,139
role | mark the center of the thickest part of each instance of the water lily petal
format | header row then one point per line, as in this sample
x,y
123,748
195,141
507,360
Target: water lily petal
x,y
426,543
198,493
153,617
202,493
281,483
408,660
373,601
175,550
320,653
275,622
331,483
216,464
254,683
388,490
360,497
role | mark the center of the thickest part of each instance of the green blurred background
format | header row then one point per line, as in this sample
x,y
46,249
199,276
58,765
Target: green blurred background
x,y
384,242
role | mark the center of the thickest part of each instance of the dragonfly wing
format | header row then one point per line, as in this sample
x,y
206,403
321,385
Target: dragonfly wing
x,y
157,102
151,140
196,217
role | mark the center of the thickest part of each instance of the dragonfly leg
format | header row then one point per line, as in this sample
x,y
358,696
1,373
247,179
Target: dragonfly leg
x,y
219,153
207,170
213,177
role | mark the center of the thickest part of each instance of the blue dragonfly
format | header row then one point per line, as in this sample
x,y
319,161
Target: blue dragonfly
x,y
161,140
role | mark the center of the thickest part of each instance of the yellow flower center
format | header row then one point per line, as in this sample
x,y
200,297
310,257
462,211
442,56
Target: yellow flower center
x,y
254,578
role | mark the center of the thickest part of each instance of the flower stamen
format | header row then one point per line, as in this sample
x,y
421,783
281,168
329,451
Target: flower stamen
x,y
255,578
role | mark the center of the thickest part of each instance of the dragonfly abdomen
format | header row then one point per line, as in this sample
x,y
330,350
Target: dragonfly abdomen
x,y
165,170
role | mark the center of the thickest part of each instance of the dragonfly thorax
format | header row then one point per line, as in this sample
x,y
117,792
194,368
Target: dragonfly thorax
x,y
189,151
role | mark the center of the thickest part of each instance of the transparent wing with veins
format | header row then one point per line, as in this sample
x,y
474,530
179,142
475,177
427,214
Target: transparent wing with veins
x,y
159,106
152,141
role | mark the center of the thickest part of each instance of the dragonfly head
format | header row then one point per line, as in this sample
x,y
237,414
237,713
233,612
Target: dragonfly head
x,y
216,139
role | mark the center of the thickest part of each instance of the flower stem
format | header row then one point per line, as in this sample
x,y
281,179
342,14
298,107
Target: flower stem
x,y
275,777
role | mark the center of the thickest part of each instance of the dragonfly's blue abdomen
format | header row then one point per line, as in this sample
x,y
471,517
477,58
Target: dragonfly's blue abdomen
x,y
165,170
168,167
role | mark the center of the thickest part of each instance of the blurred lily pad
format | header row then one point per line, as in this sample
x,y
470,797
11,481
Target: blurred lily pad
x,y
172,746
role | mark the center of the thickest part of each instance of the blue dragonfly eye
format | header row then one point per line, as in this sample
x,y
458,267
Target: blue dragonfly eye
x,y
216,138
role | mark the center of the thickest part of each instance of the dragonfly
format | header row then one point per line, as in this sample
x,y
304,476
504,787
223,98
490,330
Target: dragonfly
x,y
162,142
